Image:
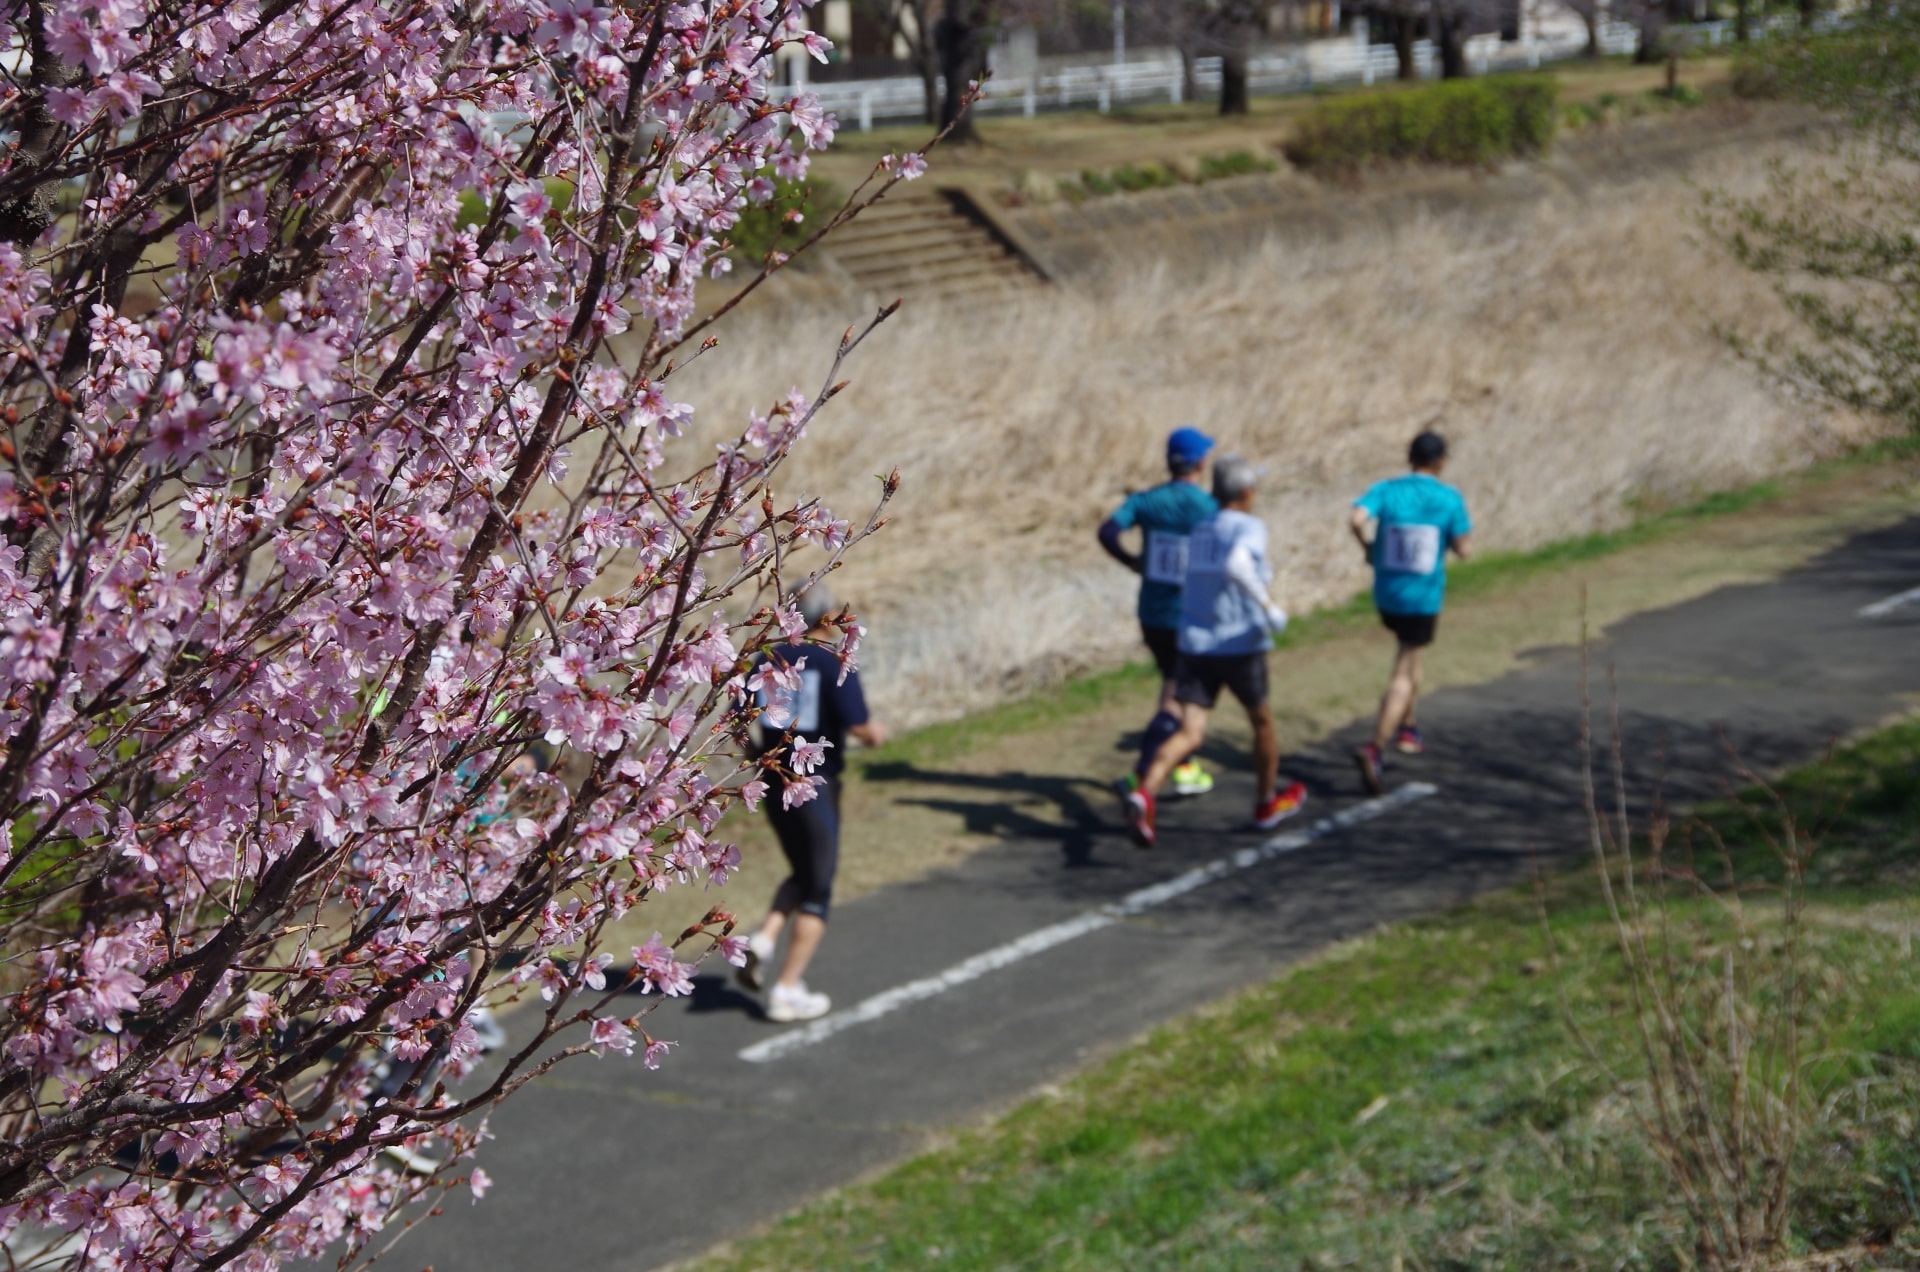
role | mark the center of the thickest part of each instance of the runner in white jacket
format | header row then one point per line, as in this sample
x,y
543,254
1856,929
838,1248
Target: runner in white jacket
x,y
1228,623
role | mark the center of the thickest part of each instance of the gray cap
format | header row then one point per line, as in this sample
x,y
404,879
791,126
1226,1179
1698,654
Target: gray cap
x,y
1233,476
815,604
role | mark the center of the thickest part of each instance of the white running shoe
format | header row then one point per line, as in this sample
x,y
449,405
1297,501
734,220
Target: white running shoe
x,y
760,949
411,1161
788,1003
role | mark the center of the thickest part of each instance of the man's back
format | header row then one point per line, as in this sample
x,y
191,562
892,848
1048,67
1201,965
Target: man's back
x,y
1419,518
1167,515
1218,617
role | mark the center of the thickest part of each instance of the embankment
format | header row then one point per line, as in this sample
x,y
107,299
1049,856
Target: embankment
x,y
1556,320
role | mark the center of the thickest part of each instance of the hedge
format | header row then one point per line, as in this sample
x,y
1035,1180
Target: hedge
x,y
1473,122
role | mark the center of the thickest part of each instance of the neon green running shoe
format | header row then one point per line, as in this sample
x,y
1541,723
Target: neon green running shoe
x,y
1190,779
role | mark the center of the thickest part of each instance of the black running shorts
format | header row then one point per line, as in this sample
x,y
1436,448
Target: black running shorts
x,y
810,838
1201,677
1414,630
1164,644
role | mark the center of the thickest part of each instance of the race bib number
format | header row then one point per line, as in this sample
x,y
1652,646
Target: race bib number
x,y
799,709
1166,558
806,707
1410,549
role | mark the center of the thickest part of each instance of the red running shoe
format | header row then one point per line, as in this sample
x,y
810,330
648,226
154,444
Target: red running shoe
x,y
1372,771
1282,804
1408,741
1140,818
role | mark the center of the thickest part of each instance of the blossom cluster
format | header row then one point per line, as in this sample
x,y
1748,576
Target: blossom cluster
x,y
368,643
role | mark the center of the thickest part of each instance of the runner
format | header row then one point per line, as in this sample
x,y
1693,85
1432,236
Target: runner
x,y
1166,515
824,709
1406,527
1227,625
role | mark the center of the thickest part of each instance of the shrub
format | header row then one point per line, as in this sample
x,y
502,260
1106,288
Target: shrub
x,y
765,226
1145,177
1470,122
1233,164
1097,182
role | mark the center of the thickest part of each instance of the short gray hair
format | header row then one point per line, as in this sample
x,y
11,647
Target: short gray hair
x,y
815,604
1233,476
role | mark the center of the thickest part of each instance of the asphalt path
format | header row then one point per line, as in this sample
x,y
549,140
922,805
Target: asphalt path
x,y
960,993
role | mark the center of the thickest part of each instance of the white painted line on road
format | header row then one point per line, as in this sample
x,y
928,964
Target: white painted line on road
x,y
1880,609
1046,938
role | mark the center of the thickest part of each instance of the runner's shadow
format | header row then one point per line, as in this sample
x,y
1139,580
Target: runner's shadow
x,y
1081,808
713,993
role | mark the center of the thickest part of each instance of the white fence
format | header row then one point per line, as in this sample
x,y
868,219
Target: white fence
x,y
863,103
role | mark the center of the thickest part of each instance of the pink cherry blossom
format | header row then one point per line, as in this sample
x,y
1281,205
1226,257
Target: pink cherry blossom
x,y
345,460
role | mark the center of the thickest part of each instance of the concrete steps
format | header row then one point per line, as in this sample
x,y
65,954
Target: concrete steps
x,y
924,244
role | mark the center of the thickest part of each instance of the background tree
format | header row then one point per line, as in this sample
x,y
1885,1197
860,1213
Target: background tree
x,y
1840,235
337,471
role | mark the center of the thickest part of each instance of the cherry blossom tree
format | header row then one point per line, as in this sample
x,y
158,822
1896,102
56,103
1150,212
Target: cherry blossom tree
x,y
338,476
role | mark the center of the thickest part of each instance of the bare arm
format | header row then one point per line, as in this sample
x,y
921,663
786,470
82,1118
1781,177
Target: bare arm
x,y
1463,546
1358,521
1110,533
872,733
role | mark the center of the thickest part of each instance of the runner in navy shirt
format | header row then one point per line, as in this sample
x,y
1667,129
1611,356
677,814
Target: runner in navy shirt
x,y
823,708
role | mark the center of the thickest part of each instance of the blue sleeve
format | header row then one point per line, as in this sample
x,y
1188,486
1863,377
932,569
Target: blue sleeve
x,y
849,701
1371,501
1127,513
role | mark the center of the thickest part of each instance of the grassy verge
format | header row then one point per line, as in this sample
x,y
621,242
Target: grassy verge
x,y
1415,1099
1484,575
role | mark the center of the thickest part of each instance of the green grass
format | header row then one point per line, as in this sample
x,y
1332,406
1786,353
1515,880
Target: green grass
x,y
1415,1098
1486,573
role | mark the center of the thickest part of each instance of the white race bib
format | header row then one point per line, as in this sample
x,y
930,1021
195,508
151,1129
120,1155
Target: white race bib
x,y
1410,549
806,709
801,706
1166,558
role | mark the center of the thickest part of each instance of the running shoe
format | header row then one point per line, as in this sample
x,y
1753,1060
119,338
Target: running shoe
x,y
1190,780
1127,785
796,1002
759,950
1373,774
411,1160
1279,806
1409,741
1140,818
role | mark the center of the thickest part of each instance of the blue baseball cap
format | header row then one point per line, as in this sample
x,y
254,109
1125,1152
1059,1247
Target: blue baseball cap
x,y
1188,445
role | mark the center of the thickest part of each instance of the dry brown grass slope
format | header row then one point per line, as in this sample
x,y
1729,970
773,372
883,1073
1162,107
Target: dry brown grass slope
x,y
1567,349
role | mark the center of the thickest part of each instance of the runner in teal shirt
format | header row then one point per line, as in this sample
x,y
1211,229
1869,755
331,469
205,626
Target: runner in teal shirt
x,y
1407,526
1165,516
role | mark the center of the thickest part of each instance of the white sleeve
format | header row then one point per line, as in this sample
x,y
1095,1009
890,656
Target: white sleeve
x,y
1243,573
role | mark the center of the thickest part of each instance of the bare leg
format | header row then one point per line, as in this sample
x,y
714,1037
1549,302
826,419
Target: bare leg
x,y
1402,696
807,931
1176,749
786,899
1266,749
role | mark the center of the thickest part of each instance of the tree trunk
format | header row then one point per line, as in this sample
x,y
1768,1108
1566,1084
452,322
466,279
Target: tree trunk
x,y
1741,31
1590,14
963,59
1652,27
1403,47
1189,86
926,62
1450,40
1809,10
1234,98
